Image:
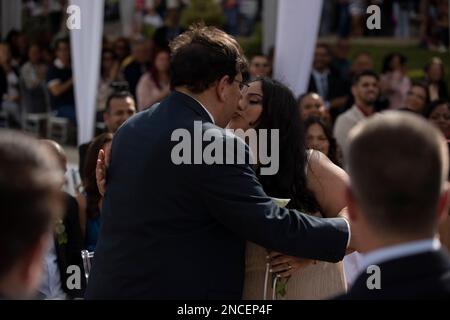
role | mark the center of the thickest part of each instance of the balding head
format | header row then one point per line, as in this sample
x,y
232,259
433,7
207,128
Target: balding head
x,y
57,151
398,167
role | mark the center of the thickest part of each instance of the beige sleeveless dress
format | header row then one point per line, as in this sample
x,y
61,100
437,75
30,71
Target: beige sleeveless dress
x,y
315,281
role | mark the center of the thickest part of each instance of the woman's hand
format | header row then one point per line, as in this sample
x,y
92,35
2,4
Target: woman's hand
x,y
100,171
284,266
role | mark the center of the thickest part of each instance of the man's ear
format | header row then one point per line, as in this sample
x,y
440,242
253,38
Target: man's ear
x,y
31,266
221,88
443,205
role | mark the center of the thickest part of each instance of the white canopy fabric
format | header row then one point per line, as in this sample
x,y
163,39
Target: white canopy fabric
x,y
297,29
11,17
86,49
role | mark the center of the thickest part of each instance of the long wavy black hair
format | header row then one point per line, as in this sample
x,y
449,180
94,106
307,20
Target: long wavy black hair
x,y
280,112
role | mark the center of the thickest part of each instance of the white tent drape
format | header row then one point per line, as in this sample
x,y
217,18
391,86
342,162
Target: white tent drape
x,y
269,20
297,29
11,16
86,54
126,16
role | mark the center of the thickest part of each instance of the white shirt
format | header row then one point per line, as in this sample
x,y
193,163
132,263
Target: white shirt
x,y
399,251
51,278
321,80
344,123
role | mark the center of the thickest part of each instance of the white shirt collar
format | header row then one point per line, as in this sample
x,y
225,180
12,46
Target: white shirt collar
x,y
398,251
58,63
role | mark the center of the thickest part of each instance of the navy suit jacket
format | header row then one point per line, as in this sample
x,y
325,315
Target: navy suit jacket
x,y
178,231
419,276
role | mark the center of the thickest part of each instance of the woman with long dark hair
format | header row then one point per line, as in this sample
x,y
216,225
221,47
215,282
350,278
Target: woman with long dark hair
x,y
308,178
154,85
394,83
318,136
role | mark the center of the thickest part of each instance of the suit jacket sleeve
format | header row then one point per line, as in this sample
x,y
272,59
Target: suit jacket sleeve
x,y
239,203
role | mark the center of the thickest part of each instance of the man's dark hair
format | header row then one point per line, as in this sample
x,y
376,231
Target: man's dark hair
x,y
398,164
61,40
324,46
30,196
433,105
117,95
202,55
365,73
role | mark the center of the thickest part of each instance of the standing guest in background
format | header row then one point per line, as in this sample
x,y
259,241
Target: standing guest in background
x,y
30,202
362,61
170,30
259,67
231,11
417,99
154,85
9,88
394,83
312,105
60,82
32,75
135,69
119,107
109,73
326,81
318,136
122,50
65,245
340,60
434,80
396,213
365,90
438,113
92,197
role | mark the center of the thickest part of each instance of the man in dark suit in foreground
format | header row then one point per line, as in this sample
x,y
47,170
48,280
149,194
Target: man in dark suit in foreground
x,y
178,231
398,167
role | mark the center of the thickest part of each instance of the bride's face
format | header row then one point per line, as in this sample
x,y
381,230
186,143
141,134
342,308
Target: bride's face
x,y
249,109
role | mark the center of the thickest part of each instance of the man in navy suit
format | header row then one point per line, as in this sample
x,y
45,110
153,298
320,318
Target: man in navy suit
x,y
178,231
398,167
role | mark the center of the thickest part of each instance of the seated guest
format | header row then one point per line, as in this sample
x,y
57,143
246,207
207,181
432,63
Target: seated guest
x,y
9,87
93,199
30,202
259,67
398,194
417,99
60,82
366,90
318,137
154,85
119,107
138,66
435,80
33,74
66,244
394,82
311,105
438,113
326,81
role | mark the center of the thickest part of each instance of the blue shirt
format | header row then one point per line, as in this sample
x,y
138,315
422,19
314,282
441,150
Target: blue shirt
x,y
92,231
